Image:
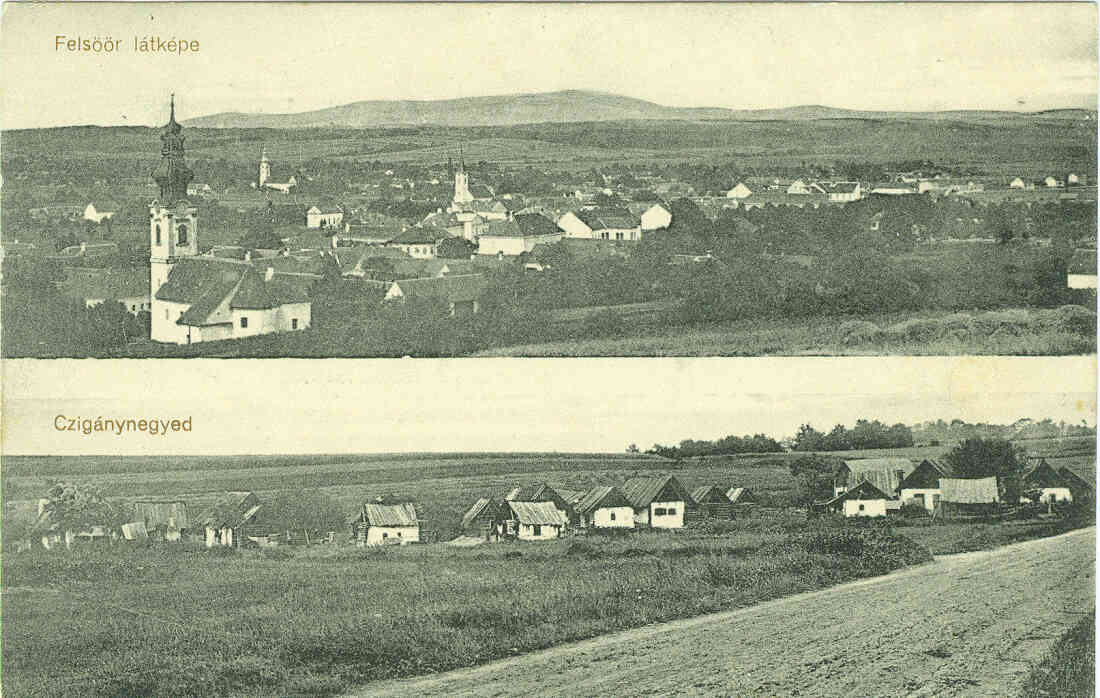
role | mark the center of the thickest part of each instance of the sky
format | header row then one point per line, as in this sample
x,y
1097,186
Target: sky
x,y
291,57
573,405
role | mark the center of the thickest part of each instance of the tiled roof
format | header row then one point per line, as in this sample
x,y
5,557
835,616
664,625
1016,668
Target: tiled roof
x,y
418,235
483,506
387,514
608,218
209,283
523,225
111,284
453,289
842,187
740,495
882,472
258,293
709,494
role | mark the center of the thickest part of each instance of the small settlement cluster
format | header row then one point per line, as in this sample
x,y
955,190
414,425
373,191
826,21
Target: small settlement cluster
x,y
881,486
537,512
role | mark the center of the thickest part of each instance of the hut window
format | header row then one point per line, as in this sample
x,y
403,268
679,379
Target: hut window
x,y
385,535
861,507
181,237
672,512
294,323
158,233
612,516
659,511
536,529
244,322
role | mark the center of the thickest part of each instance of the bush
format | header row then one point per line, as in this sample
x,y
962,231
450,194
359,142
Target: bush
x,y
1078,320
859,332
1013,322
917,329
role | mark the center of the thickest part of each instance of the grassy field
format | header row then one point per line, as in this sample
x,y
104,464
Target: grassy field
x,y
178,621
1070,668
1015,332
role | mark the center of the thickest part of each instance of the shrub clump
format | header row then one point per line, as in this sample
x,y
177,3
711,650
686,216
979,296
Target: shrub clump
x,y
917,329
859,332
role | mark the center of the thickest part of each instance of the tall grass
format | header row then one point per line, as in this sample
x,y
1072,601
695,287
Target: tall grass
x,y
179,621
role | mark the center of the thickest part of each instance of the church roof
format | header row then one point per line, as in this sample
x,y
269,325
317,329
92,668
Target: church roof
x,y
213,285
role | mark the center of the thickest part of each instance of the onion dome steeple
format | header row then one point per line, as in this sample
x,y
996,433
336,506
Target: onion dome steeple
x,y
172,174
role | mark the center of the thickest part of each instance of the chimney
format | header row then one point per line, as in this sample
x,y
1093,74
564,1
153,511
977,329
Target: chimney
x,y
83,248
901,476
269,274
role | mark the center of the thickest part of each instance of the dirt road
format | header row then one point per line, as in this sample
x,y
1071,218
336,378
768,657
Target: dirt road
x,y
965,625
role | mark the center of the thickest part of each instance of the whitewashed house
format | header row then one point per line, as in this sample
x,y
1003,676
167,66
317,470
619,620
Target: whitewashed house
x,y
922,485
843,192
653,216
91,213
1052,183
601,224
224,523
739,191
884,473
864,499
515,236
658,502
604,507
1017,183
533,520
419,242
385,524
461,293
1072,179
801,188
324,216
1046,484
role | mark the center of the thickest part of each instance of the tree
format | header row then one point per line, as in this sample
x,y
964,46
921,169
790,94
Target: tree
x,y
455,248
813,478
632,448
977,457
77,508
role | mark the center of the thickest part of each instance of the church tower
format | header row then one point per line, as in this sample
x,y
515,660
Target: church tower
x,y
462,186
173,221
265,169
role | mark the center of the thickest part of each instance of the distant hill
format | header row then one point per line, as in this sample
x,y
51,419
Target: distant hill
x,y
569,106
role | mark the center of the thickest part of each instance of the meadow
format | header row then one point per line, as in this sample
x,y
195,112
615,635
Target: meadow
x,y
1011,332
181,621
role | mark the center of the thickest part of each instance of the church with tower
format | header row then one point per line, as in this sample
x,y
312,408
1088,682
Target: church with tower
x,y
199,297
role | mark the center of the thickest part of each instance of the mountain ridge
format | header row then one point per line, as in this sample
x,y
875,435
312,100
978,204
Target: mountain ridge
x,y
570,106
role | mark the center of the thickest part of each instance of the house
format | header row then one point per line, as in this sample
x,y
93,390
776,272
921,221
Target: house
x,y
166,517
211,298
1017,183
710,502
801,188
1044,484
224,523
541,493
91,287
653,216
969,495
884,473
1080,488
419,242
485,518
533,520
461,293
841,192
922,485
100,213
1052,183
385,524
324,216
1081,270
1072,179
604,507
739,191
740,495
893,189
659,502
607,223
862,499
517,235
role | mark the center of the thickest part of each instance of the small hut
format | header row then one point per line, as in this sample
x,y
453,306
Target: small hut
x,y
1079,487
605,507
710,503
969,496
534,520
385,524
163,518
483,519
1044,484
224,522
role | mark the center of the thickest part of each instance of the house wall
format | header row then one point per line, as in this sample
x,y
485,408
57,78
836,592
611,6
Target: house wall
x,y
211,333
259,321
546,532
667,520
377,535
930,496
508,246
134,304
315,220
656,217
574,227
871,507
1058,494
623,517
163,327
